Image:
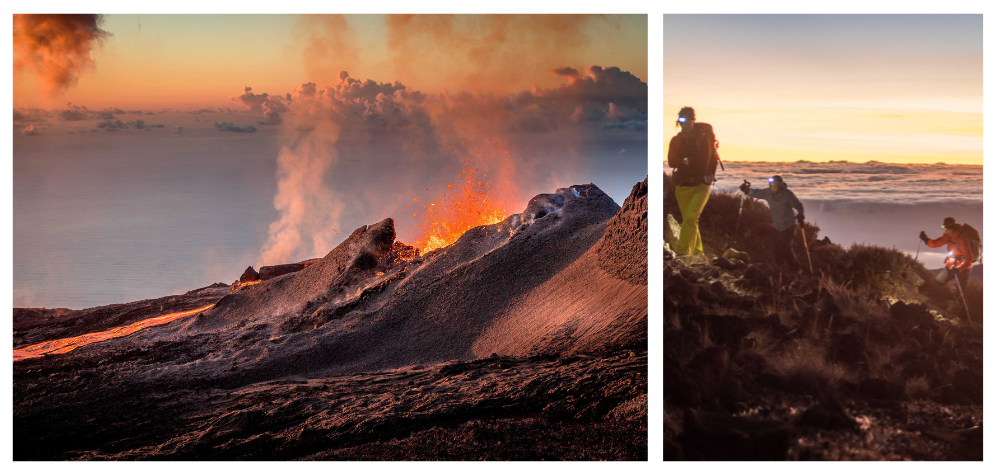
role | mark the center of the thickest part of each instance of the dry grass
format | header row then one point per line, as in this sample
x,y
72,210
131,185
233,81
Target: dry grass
x,y
804,367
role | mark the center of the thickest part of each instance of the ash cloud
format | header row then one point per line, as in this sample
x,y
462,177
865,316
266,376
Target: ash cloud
x,y
56,48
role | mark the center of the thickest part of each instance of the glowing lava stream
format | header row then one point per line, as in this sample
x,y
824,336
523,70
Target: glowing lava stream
x,y
65,345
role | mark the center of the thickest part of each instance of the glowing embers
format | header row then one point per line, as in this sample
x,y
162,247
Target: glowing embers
x,y
65,345
402,253
458,211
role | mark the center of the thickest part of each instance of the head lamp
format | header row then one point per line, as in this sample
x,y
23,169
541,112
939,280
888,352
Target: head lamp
x,y
770,179
681,120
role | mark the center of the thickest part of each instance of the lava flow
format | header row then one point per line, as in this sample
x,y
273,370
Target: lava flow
x,y
65,345
448,218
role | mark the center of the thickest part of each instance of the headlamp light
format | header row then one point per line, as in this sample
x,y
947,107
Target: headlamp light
x,y
681,120
770,180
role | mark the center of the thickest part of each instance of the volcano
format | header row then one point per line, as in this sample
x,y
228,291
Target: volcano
x,y
522,340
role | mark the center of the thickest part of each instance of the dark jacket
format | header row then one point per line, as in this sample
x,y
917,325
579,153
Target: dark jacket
x,y
698,145
781,205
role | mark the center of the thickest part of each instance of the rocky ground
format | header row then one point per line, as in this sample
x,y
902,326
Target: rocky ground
x,y
763,363
523,340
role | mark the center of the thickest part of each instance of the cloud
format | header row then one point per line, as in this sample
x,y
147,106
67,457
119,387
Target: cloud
x,y
112,125
476,53
229,127
30,130
105,115
56,48
73,115
180,131
565,71
636,125
32,114
270,118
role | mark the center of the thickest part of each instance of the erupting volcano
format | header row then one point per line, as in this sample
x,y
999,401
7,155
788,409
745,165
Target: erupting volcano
x,y
460,209
532,324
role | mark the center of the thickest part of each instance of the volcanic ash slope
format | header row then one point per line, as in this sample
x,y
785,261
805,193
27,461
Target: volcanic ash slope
x,y
566,275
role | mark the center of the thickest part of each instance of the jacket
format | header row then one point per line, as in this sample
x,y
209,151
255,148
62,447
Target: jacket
x,y
958,248
781,205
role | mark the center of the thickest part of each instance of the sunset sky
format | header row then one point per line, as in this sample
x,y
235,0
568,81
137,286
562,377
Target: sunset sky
x,y
891,88
154,61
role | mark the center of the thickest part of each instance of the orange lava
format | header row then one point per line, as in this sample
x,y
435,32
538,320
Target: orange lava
x,y
464,207
249,282
65,345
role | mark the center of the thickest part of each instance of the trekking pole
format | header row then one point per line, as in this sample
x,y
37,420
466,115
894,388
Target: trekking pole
x,y
915,262
738,218
965,303
805,244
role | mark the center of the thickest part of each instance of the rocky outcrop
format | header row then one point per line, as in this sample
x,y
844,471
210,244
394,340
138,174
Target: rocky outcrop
x,y
623,248
270,272
249,275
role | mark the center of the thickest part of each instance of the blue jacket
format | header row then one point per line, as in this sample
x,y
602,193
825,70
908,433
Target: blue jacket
x,y
781,206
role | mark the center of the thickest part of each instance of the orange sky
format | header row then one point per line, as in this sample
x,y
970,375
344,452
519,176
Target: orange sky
x,y
897,88
154,61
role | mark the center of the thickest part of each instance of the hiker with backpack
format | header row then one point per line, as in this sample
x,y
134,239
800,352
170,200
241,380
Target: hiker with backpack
x,y
693,156
964,249
783,204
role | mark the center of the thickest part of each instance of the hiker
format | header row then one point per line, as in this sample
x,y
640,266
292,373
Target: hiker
x,y
782,201
693,156
963,250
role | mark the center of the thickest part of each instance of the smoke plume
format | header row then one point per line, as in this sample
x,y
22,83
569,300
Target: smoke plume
x,y
438,137
56,47
309,211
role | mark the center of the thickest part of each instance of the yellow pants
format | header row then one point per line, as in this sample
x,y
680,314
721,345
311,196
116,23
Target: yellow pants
x,y
692,200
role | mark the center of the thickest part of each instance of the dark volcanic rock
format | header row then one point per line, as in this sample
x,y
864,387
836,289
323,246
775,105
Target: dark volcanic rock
x,y
270,272
968,383
878,388
716,436
827,416
623,249
911,314
249,275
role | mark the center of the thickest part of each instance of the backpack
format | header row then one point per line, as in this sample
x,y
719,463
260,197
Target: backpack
x,y
975,242
699,147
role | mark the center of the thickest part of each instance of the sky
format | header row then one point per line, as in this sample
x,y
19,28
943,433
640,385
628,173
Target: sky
x,y
155,61
890,88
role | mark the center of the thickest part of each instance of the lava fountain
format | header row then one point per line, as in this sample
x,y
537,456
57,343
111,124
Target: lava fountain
x,y
470,203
